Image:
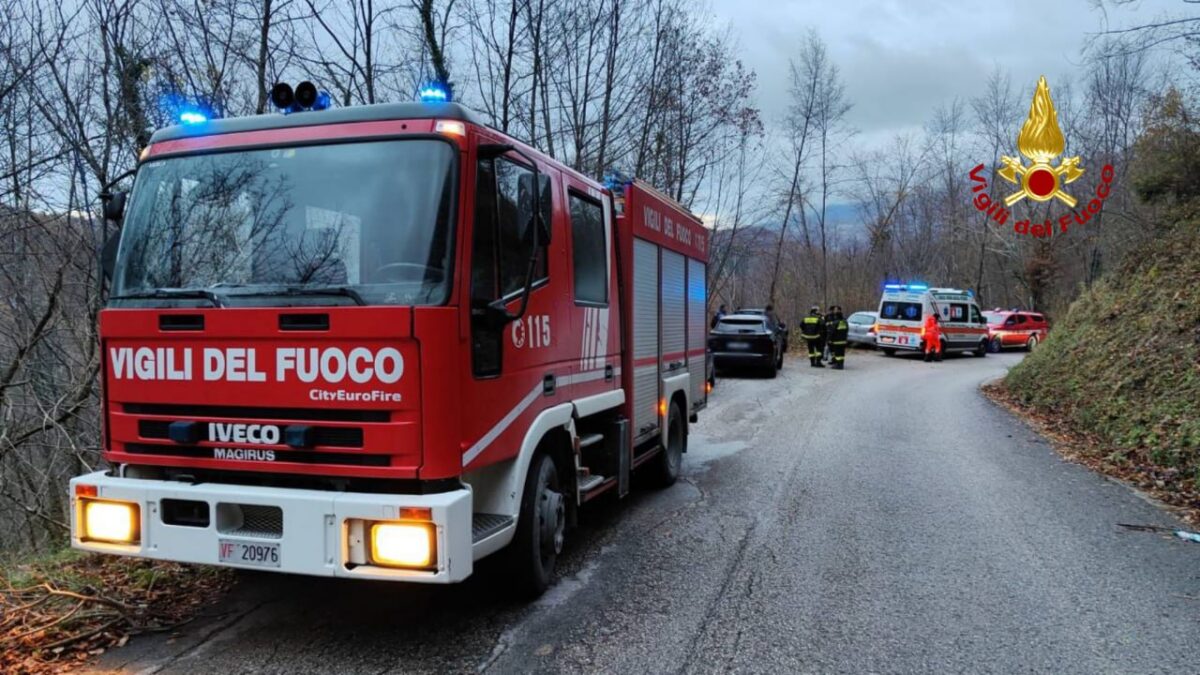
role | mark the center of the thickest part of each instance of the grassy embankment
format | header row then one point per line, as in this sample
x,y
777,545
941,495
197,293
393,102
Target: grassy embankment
x,y
1118,381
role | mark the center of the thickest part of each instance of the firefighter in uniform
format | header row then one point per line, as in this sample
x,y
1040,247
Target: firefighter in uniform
x,y
931,332
839,330
812,329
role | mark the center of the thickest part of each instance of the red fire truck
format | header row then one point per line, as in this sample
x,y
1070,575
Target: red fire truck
x,y
383,342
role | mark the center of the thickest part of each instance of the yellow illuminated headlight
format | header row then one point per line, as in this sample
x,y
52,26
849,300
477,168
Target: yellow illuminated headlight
x,y
403,544
115,522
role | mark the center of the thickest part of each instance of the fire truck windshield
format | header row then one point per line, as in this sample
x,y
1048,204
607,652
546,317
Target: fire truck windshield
x,y
261,226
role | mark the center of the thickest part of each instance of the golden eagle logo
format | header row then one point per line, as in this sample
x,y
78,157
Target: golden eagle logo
x,y
1041,141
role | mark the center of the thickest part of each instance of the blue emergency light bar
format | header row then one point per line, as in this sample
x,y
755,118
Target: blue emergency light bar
x,y
918,287
434,92
192,117
893,287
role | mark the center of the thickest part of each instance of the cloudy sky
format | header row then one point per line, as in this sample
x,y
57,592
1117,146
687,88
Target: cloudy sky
x,y
901,59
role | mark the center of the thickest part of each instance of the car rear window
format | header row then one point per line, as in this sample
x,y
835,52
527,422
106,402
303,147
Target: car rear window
x,y
741,324
994,319
903,311
861,318
1037,317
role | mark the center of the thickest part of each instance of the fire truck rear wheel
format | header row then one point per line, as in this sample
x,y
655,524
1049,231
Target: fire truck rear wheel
x,y
540,532
668,463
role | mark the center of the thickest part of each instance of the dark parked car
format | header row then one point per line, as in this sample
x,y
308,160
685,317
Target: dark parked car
x,y
746,341
779,327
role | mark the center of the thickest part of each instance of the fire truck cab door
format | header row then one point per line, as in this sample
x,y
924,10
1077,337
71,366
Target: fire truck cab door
x,y
513,367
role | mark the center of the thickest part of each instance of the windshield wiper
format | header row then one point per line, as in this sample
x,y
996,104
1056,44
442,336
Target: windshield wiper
x,y
172,294
308,291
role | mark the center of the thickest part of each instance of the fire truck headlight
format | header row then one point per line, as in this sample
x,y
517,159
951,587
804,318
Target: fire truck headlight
x,y
113,522
411,545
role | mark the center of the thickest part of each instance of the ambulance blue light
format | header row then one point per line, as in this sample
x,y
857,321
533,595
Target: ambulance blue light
x,y
893,287
434,92
918,287
192,117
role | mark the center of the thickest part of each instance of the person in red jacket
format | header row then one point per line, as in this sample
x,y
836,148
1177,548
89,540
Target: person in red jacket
x,y
931,333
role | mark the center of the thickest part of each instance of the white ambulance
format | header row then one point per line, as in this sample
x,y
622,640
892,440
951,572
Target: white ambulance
x,y
902,312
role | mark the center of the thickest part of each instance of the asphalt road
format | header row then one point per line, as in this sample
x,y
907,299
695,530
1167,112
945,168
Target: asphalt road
x,y
886,518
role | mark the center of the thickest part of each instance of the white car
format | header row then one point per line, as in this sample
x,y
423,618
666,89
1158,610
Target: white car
x,y
862,328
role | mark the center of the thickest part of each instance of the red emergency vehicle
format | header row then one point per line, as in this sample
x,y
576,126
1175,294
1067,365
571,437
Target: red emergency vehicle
x,y
361,343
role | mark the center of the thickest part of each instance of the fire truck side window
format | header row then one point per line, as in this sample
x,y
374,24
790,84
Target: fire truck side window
x,y
500,250
486,342
589,251
514,222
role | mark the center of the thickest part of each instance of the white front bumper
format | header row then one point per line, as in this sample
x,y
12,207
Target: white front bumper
x,y
314,538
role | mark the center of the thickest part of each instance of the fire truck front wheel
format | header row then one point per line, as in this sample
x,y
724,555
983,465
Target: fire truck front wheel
x,y
540,532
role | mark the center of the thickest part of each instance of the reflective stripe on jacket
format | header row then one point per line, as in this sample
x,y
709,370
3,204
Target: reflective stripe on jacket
x,y
838,332
812,327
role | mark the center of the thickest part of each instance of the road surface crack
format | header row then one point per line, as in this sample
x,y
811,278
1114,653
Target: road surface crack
x,y
208,637
711,611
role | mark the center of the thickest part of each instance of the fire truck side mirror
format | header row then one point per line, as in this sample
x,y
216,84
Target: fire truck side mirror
x,y
113,205
495,316
494,150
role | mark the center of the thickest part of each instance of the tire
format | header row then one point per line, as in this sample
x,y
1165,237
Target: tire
x,y
534,550
1032,343
772,371
995,346
983,348
887,352
670,460
779,363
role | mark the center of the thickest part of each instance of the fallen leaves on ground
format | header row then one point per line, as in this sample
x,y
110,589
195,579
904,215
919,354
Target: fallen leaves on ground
x,y
58,612
1169,485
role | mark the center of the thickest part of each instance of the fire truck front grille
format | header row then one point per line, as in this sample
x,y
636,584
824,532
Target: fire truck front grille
x,y
337,437
247,412
250,520
295,456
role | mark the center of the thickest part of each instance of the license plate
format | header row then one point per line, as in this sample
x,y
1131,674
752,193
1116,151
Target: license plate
x,y
886,338
248,553
738,345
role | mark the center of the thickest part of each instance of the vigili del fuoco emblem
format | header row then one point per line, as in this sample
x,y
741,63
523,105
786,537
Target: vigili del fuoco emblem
x,y
1041,141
